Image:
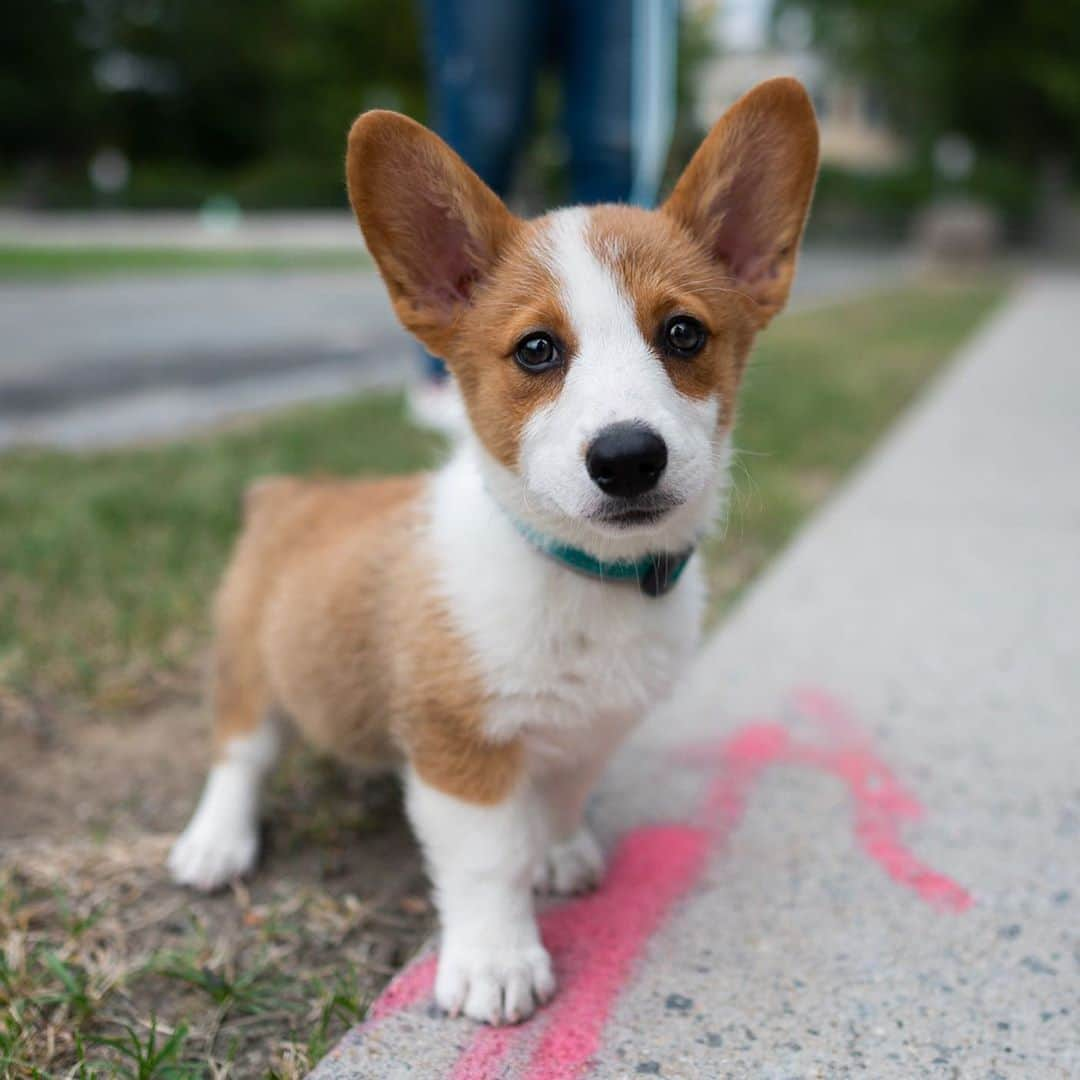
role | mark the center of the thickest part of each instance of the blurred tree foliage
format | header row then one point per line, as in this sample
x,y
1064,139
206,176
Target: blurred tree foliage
x,y
48,100
186,87
1005,74
243,98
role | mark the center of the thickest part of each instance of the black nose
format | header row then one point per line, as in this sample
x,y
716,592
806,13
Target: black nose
x,y
626,459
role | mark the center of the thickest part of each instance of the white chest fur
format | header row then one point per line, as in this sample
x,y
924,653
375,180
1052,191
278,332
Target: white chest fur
x,y
570,662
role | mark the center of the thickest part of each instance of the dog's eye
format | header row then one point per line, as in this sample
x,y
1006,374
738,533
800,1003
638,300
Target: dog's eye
x,y
683,336
537,352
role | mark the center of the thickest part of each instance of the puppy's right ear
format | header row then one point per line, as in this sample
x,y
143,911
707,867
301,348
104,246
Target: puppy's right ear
x,y
433,226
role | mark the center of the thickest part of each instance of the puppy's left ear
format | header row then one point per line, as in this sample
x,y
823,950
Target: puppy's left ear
x,y
746,192
434,228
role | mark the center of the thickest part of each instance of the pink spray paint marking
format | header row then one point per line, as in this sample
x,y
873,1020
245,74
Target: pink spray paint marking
x,y
594,942
881,804
411,986
597,940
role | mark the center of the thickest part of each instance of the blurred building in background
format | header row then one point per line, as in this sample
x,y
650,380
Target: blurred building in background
x,y
751,46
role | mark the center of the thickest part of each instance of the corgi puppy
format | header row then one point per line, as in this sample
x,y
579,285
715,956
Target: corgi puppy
x,y
494,629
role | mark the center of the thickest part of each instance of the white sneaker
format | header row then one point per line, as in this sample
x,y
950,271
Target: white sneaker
x,y
436,404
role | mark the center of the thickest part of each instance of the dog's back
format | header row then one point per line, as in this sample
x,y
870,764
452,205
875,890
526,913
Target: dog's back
x,y
319,657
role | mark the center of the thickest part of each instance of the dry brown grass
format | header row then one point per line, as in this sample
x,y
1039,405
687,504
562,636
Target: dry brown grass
x,y
107,969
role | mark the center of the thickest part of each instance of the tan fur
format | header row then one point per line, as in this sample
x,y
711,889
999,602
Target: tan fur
x,y
329,609
520,299
409,190
754,175
328,612
503,288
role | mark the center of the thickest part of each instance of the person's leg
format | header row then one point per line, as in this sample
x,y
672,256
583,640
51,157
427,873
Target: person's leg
x,y
483,60
482,66
655,43
619,64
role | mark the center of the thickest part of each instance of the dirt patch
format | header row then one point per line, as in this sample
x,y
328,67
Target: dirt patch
x,y
105,961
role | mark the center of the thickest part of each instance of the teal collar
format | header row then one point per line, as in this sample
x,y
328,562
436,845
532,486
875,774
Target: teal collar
x,y
654,575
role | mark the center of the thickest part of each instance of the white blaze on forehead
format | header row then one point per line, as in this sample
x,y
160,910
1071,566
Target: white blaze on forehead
x,y
588,289
614,371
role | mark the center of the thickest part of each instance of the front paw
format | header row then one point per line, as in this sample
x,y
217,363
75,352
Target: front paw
x,y
492,984
211,853
574,866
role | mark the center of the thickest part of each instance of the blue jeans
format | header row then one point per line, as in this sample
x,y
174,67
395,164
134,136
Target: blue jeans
x,y
615,59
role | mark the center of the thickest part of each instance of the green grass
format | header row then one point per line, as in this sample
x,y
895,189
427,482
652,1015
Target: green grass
x,y
37,263
112,556
248,992
196,999
148,1057
109,558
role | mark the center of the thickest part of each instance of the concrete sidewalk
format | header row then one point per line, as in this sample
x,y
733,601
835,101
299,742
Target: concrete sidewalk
x,y
189,230
851,846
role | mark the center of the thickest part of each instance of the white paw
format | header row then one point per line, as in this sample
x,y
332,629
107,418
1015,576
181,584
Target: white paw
x,y
494,985
211,853
574,866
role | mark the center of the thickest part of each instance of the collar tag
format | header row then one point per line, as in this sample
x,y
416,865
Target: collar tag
x,y
663,573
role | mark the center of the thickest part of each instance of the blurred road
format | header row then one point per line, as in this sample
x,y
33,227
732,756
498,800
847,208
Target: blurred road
x,y
283,230
104,361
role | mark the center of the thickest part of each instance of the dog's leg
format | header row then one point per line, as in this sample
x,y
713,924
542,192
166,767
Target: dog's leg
x,y
492,966
221,842
573,862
